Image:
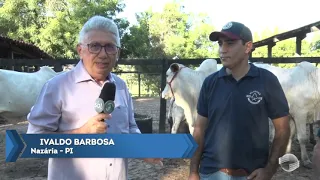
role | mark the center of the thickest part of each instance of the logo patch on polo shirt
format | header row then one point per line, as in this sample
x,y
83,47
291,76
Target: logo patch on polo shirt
x,y
254,97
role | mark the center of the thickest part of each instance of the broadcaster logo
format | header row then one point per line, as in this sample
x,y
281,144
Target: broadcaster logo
x,y
289,162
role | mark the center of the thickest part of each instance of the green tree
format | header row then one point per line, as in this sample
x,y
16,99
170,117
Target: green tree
x,y
167,34
53,26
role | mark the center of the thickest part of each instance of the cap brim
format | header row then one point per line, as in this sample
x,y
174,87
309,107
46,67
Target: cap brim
x,y
214,36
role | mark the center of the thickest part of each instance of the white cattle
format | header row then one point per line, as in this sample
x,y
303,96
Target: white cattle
x,y
19,91
176,115
302,89
179,80
176,118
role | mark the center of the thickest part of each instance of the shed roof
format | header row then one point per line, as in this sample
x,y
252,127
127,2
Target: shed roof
x,y
28,47
299,32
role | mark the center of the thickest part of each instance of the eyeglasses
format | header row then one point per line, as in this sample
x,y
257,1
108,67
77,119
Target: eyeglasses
x,y
95,48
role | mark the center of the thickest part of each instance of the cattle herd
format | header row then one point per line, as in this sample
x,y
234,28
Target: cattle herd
x,y
19,91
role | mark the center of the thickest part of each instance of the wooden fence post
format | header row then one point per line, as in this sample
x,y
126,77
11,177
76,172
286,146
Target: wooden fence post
x,y
139,83
18,68
36,68
57,67
163,106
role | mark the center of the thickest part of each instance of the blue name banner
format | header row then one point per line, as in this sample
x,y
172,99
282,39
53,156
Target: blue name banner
x,y
98,146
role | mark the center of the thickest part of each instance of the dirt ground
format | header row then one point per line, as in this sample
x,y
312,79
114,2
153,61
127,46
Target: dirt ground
x,y
172,169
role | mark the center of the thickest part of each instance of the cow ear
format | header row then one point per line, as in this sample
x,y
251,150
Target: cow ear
x,y
174,67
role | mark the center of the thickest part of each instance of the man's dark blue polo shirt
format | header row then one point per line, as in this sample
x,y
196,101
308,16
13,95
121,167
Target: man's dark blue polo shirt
x,y
237,135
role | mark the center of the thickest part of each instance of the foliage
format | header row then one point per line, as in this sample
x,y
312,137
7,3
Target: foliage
x,y
167,34
53,25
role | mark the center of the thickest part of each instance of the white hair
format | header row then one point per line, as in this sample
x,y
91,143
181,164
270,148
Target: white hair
x,y
100,23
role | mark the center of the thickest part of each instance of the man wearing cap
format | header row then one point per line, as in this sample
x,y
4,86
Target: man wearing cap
x,y
234,105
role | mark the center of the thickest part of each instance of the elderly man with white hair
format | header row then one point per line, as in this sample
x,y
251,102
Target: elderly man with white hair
x,y
66,104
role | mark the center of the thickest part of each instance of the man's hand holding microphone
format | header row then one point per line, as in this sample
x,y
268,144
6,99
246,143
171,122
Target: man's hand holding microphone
x,y
104,106
95,125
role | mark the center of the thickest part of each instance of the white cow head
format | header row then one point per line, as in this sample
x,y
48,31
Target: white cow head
x,y
171,74
176,71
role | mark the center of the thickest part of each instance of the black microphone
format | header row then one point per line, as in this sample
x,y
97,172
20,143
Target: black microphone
x,y
105,102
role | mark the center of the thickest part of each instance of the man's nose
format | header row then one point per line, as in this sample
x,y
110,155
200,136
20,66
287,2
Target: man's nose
x,y
223,48
103,53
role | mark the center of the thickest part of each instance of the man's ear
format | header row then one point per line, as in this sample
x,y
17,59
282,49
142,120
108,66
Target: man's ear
x,y
118,54
79,50
249,46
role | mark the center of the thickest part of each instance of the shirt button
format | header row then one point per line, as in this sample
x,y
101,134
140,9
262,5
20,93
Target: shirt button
x,y
110,164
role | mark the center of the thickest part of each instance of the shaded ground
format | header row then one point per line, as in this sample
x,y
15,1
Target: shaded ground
x,y
173,169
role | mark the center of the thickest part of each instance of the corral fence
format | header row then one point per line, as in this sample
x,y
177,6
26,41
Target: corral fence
x,y
32,65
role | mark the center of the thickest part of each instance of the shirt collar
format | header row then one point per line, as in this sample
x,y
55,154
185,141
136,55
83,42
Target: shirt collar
x,y
253,71
82,75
